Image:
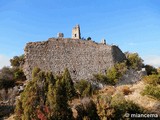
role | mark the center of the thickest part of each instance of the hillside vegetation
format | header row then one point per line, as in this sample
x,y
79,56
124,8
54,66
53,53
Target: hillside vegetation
x,y
57,97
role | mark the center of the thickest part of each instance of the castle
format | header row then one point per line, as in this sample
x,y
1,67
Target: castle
x,y
83,58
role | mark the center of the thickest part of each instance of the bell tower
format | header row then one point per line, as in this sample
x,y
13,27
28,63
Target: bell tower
x,y
76,32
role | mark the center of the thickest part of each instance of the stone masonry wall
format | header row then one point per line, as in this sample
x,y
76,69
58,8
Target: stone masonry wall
x,y
82,58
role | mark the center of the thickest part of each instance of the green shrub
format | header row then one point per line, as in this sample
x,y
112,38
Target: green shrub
x,y
115,107
153,91
150,70
35,72
106,79
86,110
101,78
89,38
113,74
116,72
80,112
90,110
6,73
152,79
121,106
121,67
5,84
88,91
103,106
10,75
118,99
19,74
134,108
84,88
134,61
126,107
17,61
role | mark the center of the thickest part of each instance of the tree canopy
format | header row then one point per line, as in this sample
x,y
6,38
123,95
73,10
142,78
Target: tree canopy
x,y
46,97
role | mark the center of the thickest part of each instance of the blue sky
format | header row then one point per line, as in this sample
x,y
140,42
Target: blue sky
x,y
133,25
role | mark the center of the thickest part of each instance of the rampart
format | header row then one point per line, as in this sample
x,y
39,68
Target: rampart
x,y
83,58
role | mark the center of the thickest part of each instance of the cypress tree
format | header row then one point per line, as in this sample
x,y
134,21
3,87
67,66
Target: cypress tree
x,y
18,109
32,97
88,91
50,101
45,97
68,84
50,78
61,107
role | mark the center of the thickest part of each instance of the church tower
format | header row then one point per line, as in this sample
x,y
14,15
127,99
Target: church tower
x,y
76,32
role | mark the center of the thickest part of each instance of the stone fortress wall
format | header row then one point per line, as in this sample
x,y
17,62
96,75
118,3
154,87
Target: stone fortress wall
x,y
83,58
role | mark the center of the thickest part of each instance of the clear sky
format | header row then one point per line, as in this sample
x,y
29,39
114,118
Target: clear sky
x,y
133,25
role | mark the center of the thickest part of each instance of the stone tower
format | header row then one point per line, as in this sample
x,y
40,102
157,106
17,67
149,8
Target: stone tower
x,y
76,32
103,41
60,35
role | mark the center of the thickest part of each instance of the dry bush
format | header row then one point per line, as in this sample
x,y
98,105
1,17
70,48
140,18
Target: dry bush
x,y
109,90
126,90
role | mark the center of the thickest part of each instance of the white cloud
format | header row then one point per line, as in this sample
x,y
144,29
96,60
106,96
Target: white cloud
x,y
4,61
153,60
